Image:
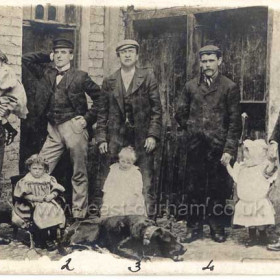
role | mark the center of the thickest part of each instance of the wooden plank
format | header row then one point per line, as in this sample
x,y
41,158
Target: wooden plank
x,y
194,38
130,17
268,62
170,12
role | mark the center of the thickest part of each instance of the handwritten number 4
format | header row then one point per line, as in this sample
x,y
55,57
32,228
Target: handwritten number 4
x,y
211,268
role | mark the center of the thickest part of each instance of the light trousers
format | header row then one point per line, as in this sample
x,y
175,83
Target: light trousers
x,y
70,135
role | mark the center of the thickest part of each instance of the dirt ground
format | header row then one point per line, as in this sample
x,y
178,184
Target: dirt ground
x,y
205,249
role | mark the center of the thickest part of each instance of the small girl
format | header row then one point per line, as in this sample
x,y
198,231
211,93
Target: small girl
x,y
12,94
36,202
253,178
123,188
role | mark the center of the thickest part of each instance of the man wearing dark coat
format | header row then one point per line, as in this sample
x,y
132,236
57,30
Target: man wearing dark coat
x,y
130,114
61,96
274,153
209,111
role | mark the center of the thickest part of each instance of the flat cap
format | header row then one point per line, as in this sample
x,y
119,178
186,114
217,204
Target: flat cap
x,y
210,49
125,44
61,43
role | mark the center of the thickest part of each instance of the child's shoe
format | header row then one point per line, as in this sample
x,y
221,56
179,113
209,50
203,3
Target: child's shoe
x,y
263,238
50,245
11,133
252,240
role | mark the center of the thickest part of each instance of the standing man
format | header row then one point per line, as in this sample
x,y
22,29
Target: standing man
x,y
130,114
61,96
209,111
273,153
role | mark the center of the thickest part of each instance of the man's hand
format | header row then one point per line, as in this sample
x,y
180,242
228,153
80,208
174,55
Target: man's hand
x,y
225,159
103,148
272,151
150,144
4,110
81,121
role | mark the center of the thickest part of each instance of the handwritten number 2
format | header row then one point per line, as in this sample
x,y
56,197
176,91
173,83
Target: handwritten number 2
x,y
137,266
211,268
67,265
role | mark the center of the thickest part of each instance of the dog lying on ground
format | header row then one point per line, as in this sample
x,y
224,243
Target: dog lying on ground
x,y
131,236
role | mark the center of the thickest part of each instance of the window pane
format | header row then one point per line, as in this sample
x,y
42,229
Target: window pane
x,y
39,12
52,13
70,14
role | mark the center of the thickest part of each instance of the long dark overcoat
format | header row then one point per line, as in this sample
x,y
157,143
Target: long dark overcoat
x,y
147,113
213,111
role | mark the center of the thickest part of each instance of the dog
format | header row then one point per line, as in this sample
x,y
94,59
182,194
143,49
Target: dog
x,y
132,236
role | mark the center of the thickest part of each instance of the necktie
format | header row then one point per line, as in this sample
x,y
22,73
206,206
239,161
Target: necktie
x,y
59,76
208,81
61,73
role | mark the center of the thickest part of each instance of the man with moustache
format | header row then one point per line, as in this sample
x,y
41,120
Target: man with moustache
x,y
209,110
130,114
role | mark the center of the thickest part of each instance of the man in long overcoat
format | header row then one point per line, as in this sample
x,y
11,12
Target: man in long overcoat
x,y
130,114
61,96
209,111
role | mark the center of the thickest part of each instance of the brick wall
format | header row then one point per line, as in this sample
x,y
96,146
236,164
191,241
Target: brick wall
x,y
97,50
96,44
11,44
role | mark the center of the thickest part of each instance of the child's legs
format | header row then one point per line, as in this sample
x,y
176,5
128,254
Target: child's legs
x,y
261,228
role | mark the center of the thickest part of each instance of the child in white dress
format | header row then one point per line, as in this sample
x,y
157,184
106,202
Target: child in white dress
x,y
123,188
253,178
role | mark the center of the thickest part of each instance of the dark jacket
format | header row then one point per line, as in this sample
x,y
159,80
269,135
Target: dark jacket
x,y
214,112
146,108
77,83
275,136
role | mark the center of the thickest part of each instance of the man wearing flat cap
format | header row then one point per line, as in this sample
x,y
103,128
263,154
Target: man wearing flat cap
x,y
209,111
130,114
61,96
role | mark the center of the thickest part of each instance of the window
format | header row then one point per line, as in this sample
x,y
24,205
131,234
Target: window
x,y
70,14
51,13
39,12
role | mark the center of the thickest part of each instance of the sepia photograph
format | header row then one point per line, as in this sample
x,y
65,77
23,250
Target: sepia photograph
x,y
139,138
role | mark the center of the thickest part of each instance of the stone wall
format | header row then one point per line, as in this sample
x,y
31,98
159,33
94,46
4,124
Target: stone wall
x,y
11,44
273,69
96,44
106,29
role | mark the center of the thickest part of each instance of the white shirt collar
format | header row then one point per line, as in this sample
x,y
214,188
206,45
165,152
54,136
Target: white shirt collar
x,y
64,68
129,73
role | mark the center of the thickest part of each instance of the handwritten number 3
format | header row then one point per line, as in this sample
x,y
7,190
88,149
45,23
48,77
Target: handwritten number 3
x,y
137,265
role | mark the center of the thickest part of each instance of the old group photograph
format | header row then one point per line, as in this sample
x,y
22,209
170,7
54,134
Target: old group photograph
x,y
140,139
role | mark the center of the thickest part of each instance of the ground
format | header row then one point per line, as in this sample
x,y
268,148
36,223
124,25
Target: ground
x,y
205,249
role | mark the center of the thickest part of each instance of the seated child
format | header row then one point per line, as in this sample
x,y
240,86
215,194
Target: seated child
x,y
253,178
36,206
123,188
12,94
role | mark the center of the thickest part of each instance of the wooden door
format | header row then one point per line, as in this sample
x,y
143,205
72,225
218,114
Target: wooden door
x,y
242,36
163,49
